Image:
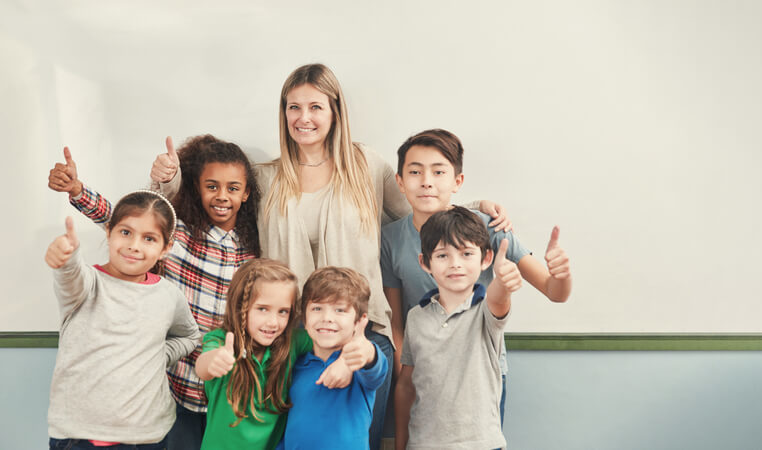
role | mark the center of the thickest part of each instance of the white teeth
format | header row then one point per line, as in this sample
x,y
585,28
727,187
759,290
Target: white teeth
x,y
303,130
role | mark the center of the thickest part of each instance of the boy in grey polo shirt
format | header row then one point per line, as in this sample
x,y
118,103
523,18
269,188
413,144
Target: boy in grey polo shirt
x,y
448,392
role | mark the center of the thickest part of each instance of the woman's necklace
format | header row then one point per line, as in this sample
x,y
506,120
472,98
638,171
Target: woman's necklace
x,y
312,165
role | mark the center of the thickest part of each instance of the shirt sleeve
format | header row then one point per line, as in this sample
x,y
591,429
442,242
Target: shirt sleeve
x,y
301,342
394,202
493,327
183,335
516,250
93,205
73,283
372,377
213,339
388,277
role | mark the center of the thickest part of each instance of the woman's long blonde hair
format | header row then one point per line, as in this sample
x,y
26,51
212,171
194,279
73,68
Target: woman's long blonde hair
x,y
351,175
245,388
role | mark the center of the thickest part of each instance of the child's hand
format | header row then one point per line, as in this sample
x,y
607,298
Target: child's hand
x,y
359,352
336,376
63,177
223,358
61,249
166,164
558,261
505,270
500,220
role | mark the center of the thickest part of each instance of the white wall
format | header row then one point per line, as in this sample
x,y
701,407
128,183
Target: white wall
x,y
632,125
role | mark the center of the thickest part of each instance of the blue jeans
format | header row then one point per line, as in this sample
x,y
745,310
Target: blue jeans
x,y
502,402
84,444
382,393
188,430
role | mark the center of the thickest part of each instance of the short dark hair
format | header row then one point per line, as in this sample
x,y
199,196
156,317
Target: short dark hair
x,y
330,284
455,227
447,143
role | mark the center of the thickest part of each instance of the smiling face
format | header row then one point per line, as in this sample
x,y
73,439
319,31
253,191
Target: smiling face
x,y
268,313
456,269
428,180
330,324
308,116
134,246
223,188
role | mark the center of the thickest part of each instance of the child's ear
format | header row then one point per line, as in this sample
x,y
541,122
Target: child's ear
x,y
400,183
166,250
458,182
246,194
423,265
487,259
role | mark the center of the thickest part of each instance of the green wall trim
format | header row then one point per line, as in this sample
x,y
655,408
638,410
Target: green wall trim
x,y
523,341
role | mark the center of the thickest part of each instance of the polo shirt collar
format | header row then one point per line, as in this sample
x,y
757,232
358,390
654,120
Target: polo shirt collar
x,y
311,358
479,293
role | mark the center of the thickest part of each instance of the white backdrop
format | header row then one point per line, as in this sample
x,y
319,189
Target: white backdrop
x,y
635,126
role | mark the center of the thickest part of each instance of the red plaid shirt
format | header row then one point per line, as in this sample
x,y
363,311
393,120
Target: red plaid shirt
x,y
202,270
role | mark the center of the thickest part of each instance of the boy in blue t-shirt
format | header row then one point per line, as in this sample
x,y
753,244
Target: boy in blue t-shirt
x,y
429,171
451,352
334,305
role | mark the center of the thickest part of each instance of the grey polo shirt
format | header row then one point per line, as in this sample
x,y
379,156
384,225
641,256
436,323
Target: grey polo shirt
x,y
456,374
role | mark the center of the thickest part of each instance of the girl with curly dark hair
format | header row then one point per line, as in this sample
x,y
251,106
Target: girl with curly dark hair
x,y
216,188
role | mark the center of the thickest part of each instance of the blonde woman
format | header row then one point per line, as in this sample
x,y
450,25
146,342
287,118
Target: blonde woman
x,y
324,199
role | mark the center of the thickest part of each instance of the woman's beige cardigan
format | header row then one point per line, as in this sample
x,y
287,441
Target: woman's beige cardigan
x,y
342,241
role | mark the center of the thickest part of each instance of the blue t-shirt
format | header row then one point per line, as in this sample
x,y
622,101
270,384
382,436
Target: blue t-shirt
x,y
323,418
401,245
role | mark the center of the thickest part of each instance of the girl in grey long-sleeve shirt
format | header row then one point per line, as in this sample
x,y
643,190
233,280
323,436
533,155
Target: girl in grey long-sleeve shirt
x,y
121,327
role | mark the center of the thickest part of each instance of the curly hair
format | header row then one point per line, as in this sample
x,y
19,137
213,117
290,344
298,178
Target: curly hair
x,y
194,155
245,387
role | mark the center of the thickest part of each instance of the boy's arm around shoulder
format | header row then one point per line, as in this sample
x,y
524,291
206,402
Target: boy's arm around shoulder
x,y
183,335
553,280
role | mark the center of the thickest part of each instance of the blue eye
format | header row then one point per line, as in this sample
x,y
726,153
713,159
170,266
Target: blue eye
x,y
293,107
317,107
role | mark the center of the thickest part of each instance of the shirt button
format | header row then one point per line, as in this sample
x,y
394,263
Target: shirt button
x,y
441,312
444,325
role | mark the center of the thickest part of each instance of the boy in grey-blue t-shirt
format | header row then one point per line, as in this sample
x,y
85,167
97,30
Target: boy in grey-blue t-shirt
x,y
429,171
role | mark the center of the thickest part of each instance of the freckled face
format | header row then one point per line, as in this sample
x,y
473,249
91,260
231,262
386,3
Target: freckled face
x,y
308,115
330,324
269,312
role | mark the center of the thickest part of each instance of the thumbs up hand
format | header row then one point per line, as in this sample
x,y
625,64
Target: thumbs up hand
x,y
224,358
506,270
556,258
358,352
166,164
63,177
61,249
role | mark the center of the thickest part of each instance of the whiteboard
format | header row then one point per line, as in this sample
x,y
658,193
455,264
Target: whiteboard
x,y
634,126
